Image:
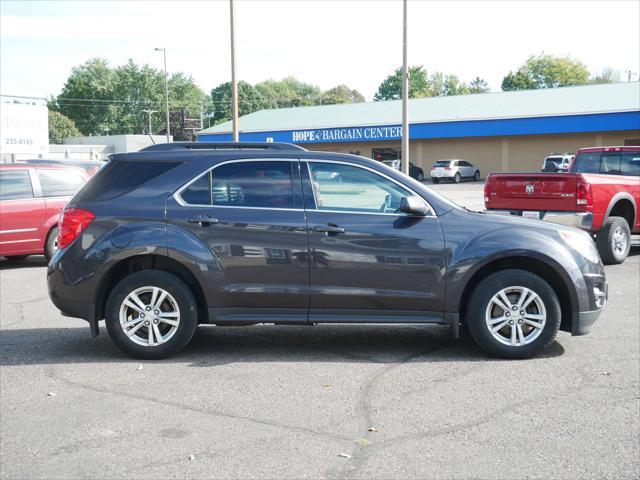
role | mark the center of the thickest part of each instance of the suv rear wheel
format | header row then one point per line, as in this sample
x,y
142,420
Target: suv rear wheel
x,y
513,314
456,178
151,314
614,241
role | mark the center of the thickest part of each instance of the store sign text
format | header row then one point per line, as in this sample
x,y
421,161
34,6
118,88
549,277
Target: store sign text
x,y
352,134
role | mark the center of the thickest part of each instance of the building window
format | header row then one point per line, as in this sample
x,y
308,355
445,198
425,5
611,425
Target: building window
x,y
632,142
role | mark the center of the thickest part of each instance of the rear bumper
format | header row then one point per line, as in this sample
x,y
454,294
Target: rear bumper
x,y
582,220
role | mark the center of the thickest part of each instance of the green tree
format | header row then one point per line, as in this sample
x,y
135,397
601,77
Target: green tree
x,y
288,92
99,99
61,127
546,71
421,84
478,85
341,94
249,101
391,87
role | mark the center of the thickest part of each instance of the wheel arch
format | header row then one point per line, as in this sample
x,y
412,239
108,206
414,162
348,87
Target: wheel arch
x,y
544,269
622,205
138,263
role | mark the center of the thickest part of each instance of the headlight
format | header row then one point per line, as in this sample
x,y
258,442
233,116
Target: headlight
x,y
582,243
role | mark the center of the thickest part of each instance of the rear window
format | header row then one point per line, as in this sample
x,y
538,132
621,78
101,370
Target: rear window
x,y
612,163
442,163
121,176
15,185
60,183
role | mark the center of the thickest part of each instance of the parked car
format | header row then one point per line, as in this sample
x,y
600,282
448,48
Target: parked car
x,y
89,166
455,170
147,247
414,172
31,199
600,194
557,162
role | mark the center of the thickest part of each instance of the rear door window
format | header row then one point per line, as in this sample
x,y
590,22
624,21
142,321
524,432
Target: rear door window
x,y
60,183
259,184
15,185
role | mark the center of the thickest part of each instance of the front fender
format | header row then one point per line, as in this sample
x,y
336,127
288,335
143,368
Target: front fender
x,y
468,254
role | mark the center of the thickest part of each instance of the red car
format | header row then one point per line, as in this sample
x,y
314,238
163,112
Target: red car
x,y
600,194
31,199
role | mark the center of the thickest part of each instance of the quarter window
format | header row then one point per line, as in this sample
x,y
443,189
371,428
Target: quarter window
x,y
347,188
59,183
261,184
15,185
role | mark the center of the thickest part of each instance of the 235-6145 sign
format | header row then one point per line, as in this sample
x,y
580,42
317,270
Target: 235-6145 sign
x,y
24,129
351,134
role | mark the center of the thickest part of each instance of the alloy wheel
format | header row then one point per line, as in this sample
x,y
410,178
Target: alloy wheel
x,y
149,316
619,241
515,316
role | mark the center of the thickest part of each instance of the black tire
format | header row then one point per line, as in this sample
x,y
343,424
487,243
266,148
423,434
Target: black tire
x,y
184,298
435,180
479,302
51,245
420,176
476,176
15,258
456,178
614,231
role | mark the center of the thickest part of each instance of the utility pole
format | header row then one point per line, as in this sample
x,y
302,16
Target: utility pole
x,y
405,93
166,89
234,83
629,73
149,112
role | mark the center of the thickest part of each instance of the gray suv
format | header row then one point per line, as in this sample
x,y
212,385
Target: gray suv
x,y
235,234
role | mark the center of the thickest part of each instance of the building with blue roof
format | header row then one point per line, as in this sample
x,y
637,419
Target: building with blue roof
x,y
505,131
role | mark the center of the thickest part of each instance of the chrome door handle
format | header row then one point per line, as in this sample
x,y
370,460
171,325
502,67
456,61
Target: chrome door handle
x,y
329,229
204,220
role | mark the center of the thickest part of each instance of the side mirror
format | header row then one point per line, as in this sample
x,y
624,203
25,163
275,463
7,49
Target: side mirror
x,y
413,205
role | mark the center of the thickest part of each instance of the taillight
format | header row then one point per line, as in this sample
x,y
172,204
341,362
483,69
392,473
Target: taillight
x,y
487,192
72,223
447,168
584,194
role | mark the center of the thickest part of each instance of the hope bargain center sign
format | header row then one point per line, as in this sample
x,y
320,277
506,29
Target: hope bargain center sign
x,y
349,134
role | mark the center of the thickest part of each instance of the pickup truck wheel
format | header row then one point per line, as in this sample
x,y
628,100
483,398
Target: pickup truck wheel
x,y
435,180
456,178
151,314
51,245
513,314
614,241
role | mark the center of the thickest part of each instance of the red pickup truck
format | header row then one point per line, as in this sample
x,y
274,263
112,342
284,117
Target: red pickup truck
x,y
31,198
600,194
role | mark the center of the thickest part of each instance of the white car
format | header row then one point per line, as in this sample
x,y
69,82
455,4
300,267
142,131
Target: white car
x,y
557,162
454,170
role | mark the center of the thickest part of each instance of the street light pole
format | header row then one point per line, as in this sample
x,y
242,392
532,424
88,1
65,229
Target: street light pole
x,y
234,83
166,89
405,94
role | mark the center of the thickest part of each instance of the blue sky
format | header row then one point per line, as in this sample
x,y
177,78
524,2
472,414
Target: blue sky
x,y
322,42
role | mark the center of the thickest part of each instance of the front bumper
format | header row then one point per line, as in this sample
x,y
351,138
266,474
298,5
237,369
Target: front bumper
x,y
581,220
582,321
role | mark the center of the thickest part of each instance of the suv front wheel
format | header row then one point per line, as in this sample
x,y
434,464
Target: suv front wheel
x,y
151,314
513,314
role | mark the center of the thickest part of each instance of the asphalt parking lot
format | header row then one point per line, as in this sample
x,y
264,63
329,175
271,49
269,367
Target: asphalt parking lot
x,y
316,402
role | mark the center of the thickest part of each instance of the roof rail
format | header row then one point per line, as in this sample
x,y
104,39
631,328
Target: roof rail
x,y
186,146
